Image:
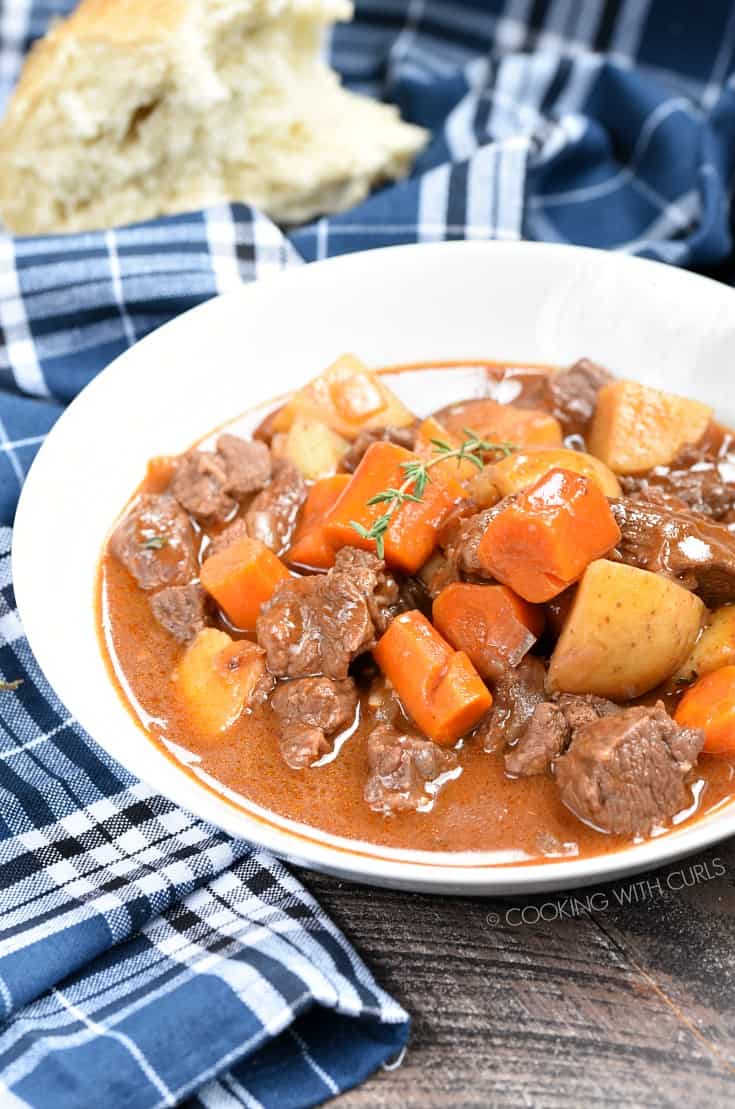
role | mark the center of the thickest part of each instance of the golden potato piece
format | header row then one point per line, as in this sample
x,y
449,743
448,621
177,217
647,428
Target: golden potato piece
x,y
349,398
636,427
216,679
627,631
714,648
523,468
312,446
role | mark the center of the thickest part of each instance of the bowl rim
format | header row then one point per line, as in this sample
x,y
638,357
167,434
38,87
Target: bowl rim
x,y
330,854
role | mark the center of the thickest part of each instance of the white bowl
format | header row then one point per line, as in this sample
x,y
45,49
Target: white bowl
x,y
518,301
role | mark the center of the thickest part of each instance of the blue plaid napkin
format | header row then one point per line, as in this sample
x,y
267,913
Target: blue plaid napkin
x,y
145,958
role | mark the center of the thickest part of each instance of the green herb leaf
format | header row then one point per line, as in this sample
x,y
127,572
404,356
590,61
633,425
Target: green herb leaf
x,y
381,498
360,529
412,469
155,543
420,484
390,495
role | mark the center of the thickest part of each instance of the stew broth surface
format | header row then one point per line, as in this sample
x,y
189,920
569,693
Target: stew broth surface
x,y
481,810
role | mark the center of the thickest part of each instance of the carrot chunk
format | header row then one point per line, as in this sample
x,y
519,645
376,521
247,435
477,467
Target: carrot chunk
x,y
493,626
311,546
414,527
425,447
546,536
438,686
499,423
241,578
710,705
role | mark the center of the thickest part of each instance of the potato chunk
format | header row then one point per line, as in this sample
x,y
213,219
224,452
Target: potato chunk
x,y
524,468
714,648
217,679
312,446
628,630
349,398
636,427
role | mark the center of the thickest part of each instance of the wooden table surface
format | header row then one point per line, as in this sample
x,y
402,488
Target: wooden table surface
x,y
602,1004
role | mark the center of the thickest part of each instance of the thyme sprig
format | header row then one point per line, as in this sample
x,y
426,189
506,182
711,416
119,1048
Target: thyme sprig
x,y
10,687
412,489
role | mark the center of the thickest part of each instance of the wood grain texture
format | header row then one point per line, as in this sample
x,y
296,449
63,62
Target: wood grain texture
x,y
626,1004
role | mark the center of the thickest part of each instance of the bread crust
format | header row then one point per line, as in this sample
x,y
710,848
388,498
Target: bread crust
x,y
124,21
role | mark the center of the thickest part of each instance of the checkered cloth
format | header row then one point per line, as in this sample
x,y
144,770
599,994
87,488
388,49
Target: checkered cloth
x,y
145,957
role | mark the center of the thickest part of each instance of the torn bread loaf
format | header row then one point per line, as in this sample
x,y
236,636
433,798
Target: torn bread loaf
x,y
131,109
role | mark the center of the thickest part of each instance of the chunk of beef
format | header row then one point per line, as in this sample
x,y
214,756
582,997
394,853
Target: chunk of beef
x,y
522,387
199,485
625,773
651,494
580,709
440,571
250,658
700,478
461,539
181,610
310,627
569,395
550,730
377,586
414,594
573,395
247,464
469,534
308,705
401,436
302,745
402,769
516,694
316,625
209,484
321,702
155,542
272,516
238,529
544,738
694,551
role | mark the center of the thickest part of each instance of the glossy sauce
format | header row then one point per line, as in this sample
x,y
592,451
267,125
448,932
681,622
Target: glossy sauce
x,y
483,809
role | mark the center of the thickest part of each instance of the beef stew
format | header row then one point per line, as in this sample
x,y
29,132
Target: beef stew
x,y
491,629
